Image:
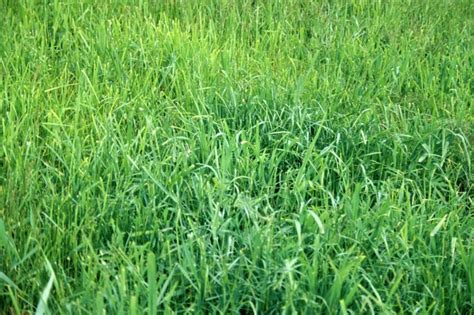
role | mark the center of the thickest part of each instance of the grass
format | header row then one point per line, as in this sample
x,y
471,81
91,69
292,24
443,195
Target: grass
x,y
236,156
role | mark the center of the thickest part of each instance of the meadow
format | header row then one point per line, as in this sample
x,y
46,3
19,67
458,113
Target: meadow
x,y
236,156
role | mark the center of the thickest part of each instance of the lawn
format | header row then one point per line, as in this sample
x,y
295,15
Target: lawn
x,y
236,156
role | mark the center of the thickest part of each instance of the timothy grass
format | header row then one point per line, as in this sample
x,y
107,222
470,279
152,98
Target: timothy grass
x,y
237,156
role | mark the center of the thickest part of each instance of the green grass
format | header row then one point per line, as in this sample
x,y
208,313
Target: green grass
x,y
281,156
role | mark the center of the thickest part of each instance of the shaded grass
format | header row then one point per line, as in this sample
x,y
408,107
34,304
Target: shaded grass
x,y
236,156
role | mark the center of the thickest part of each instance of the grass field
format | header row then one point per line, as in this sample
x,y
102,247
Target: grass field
x,y
236,156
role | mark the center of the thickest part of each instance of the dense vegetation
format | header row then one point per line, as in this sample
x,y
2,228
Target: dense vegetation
x,y
236,156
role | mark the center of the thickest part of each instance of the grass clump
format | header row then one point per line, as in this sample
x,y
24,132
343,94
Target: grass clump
x,y
236,156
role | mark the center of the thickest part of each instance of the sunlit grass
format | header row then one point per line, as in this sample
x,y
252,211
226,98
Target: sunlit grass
x,y
236,156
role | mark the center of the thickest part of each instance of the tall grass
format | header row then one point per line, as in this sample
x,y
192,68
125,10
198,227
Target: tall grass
x,y
242,156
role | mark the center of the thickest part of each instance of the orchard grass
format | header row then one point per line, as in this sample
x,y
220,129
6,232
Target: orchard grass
x,y
236,156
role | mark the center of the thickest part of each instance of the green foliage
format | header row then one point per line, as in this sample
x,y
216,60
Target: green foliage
x,y
236,156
